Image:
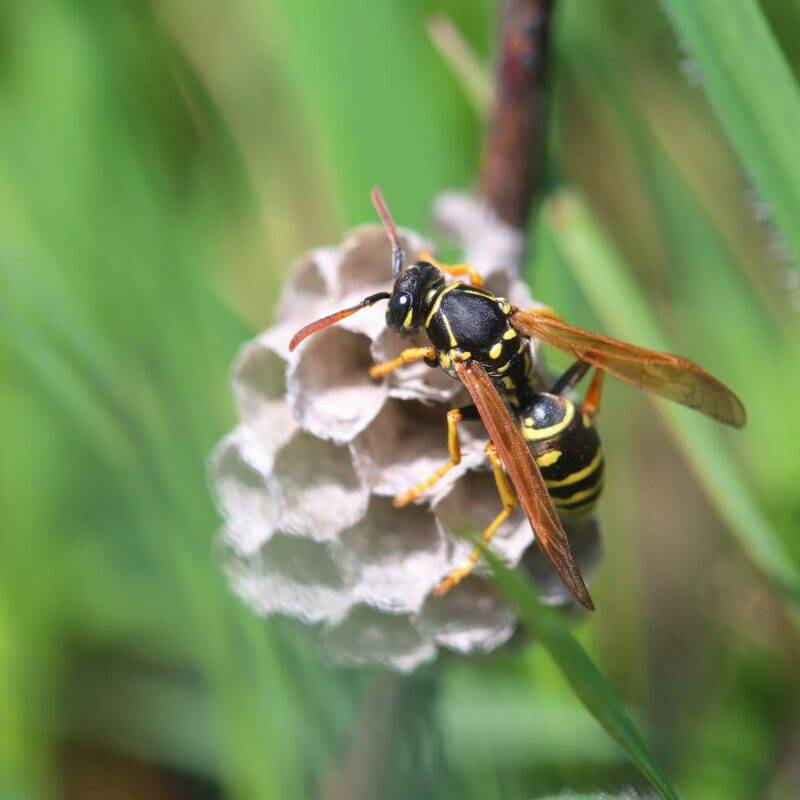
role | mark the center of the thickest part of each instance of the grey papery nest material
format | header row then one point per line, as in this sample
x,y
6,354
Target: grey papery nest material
x,y
305,480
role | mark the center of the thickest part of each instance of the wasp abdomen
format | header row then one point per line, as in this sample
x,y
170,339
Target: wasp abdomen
x,y
567,449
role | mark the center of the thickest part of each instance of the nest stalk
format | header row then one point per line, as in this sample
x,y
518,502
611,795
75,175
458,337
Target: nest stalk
x,y
510,168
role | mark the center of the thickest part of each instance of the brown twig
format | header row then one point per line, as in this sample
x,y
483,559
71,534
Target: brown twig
x,y
511,157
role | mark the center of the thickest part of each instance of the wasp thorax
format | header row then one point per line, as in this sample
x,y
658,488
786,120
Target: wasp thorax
x,y
410,297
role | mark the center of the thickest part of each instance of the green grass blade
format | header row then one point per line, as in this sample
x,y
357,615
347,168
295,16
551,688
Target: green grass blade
x,y
607,284
751,88
587,681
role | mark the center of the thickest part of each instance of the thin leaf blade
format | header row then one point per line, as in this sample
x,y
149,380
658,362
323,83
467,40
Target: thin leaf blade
x,y
584,677
754,94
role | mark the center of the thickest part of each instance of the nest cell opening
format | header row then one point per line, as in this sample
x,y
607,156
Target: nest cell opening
x,y
329,387
319,490
243,497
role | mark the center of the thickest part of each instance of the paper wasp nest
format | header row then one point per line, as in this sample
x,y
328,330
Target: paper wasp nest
x,y
305,481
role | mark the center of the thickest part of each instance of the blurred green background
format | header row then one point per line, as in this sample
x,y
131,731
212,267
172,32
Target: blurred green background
x,y
161,163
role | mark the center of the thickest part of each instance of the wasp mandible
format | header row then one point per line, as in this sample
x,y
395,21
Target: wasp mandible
x,y
544,450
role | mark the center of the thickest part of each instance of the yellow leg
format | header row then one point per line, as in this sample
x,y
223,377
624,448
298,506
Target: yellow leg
x,y
509,504
454,448
406,357
454,269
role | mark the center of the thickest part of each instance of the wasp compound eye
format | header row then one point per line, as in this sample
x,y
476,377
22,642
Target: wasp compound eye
x,y
403,313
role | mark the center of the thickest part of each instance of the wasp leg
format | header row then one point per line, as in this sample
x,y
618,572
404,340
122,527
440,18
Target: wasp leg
x,y
571,378
591,403
454,416
509,504
454,269
406,357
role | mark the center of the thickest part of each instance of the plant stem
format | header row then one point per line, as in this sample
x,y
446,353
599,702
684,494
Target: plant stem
x,y
511,157
365,759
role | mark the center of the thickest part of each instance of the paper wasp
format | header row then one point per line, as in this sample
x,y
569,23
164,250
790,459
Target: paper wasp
x,y
544,451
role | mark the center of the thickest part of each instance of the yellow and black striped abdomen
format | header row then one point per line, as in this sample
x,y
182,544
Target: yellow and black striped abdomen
x,y
568,452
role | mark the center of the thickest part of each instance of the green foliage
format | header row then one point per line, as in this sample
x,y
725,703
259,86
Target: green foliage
x,y
754,93
607,284
584,677
161,164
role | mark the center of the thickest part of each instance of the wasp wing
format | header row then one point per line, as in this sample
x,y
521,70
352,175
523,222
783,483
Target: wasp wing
x,y
528,482
668,376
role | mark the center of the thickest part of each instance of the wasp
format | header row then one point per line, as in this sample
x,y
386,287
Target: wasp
x,y
544,449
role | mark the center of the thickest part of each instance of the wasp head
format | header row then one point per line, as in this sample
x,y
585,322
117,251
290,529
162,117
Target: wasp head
x,y
411,296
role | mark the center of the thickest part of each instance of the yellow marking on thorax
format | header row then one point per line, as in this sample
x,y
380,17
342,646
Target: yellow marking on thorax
x,y
548,459
504,368
578,476
453,342
409,318
438,301
587,420
445,360
535,434
508,383
509,334
496,350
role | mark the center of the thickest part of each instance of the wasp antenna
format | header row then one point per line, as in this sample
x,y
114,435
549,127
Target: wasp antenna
x,y
391,229
332,319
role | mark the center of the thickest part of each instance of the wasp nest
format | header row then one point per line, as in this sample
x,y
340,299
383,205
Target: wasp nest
x,y
305,480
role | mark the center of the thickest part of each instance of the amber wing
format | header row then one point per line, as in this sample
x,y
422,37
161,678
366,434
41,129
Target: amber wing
x,y
524,474
668,376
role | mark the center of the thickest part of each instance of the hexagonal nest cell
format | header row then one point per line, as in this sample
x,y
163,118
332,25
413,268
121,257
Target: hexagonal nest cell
x,y
330,391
